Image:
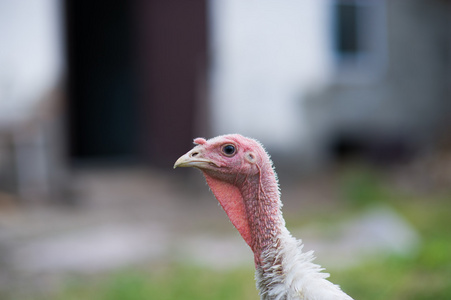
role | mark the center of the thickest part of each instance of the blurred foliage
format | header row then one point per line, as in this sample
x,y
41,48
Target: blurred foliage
x,y
425,275
361,186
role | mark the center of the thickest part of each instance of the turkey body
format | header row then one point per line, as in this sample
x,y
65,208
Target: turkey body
x,y
241,176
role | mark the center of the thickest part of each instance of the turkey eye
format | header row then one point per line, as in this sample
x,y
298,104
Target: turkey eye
x,y
228,150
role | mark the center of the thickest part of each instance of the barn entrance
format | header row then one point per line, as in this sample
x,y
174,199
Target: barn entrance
x,y
134,72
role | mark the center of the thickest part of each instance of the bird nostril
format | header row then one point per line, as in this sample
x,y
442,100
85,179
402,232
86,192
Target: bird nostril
x,y
194,154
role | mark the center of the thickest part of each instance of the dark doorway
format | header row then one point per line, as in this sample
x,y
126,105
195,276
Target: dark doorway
x,y
135,73
102,98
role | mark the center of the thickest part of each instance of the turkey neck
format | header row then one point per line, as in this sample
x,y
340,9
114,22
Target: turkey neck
x,y
263,211
252,203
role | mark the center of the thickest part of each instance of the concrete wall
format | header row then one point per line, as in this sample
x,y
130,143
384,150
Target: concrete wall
x,y
266,55
31,60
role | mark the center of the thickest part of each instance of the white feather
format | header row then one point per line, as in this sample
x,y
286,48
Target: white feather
x,y
287,273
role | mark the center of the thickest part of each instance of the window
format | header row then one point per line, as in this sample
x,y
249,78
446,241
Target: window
x,y
347,40
359,38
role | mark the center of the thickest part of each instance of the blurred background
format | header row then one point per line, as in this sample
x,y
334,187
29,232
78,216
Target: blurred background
x,y
352,98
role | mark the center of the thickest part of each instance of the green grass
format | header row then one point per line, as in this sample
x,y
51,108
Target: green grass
x,y
425,275
163,283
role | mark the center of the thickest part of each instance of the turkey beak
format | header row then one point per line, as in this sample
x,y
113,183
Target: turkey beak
x,y
183,161
193,159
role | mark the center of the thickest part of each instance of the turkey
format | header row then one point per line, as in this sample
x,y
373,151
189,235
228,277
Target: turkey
x,y
241,176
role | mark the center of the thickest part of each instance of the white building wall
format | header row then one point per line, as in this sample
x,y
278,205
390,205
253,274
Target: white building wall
x,y
31,59
266,56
